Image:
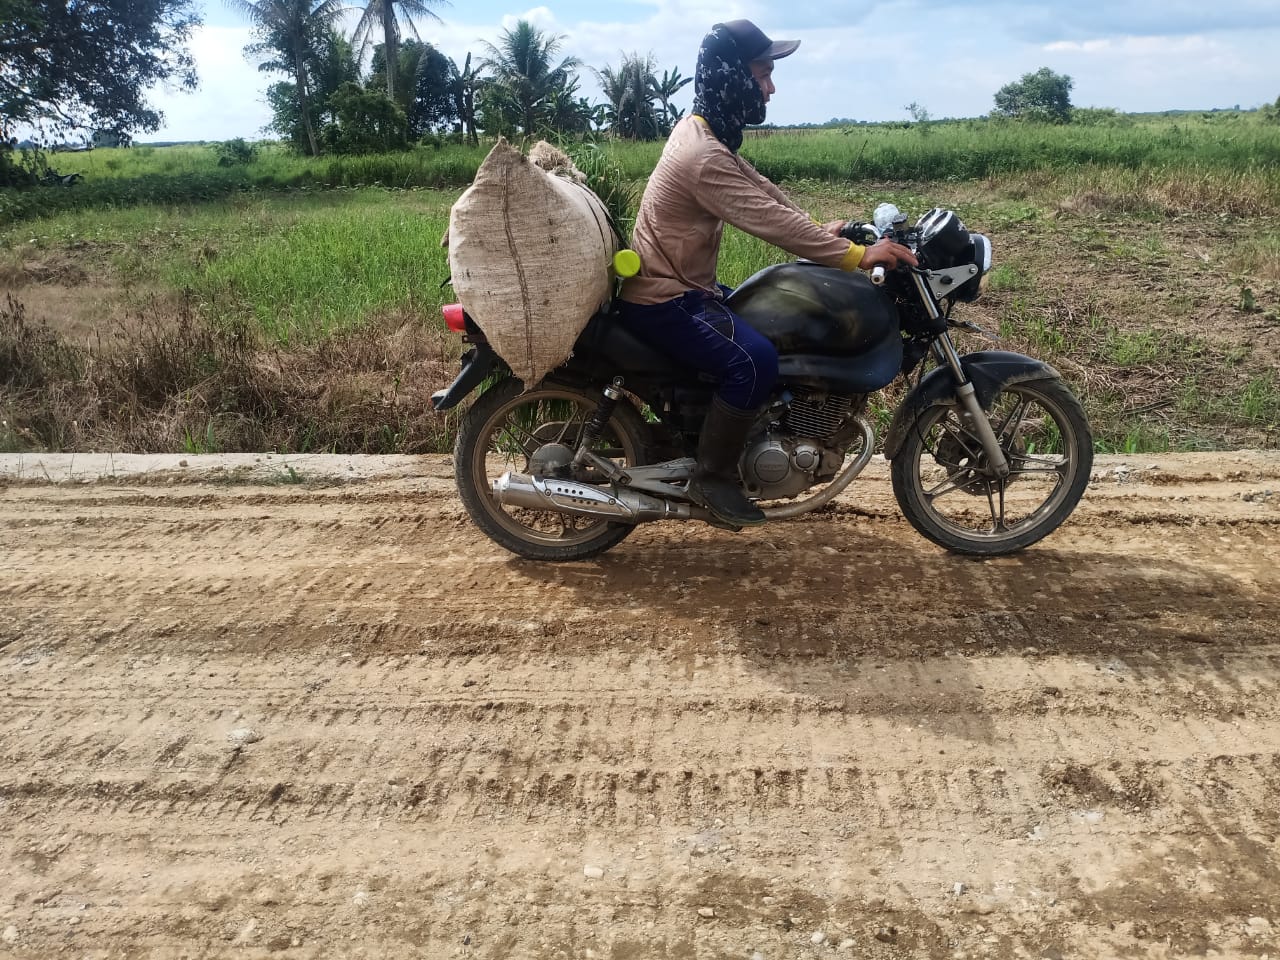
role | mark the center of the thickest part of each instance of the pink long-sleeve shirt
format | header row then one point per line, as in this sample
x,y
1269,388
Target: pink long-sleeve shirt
x,y
697,187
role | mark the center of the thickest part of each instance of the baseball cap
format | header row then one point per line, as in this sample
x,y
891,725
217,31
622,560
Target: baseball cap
x,y
754,45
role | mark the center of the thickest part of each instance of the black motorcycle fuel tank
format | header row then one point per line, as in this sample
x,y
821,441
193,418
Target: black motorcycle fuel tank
x,y
833,329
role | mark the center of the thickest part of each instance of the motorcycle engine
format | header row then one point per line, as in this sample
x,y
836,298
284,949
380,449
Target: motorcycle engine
x,y
798,452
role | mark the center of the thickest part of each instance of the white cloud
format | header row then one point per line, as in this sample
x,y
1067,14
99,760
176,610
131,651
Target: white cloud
x,y
540,17
1138,46
229,102
1154,73
947,58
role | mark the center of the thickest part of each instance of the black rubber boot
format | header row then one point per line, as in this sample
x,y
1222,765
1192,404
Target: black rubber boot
x,y
715,483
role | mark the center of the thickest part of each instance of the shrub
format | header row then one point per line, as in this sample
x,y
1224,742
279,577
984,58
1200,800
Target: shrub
x,y
1040,95
368,121
1097,117
237,152
21,168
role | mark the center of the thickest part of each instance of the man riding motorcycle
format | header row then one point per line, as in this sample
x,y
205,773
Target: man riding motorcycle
x,y
674,303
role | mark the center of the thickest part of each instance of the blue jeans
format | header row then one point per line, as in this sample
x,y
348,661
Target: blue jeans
x,y
698,331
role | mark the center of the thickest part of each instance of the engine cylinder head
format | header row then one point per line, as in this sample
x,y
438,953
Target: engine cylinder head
x,y
817,416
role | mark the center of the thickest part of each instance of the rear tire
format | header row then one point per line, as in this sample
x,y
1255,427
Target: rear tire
x,y
502,430
947,493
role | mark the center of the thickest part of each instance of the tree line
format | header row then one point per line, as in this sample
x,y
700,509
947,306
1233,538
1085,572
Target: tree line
x,y
75,68
68,67
519,86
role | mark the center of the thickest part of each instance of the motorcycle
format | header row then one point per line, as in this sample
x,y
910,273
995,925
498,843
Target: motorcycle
x,y
990,451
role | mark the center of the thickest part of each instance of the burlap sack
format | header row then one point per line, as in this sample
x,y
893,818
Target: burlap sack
x,y
530,253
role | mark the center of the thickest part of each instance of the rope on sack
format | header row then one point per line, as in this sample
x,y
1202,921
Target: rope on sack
x,y
519,265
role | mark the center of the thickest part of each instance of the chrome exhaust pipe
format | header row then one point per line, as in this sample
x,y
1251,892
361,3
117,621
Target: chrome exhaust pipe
x,y
585,499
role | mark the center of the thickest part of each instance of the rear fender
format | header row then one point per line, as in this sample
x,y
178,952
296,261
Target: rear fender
x,y
477,364
990,371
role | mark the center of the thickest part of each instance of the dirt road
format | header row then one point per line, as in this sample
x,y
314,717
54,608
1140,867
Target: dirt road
x,y
307,721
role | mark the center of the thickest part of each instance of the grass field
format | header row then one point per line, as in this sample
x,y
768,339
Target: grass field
x,y
1142,258
1235,155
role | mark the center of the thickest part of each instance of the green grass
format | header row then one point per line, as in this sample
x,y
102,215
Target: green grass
x,y
197,441
1259,400
1022,320
302,266
1145,165
1002,214
307,252
321,272
1139,438
971,149
135,176
1009,278
1259,255
275,165
1129,348
1145,389
741,255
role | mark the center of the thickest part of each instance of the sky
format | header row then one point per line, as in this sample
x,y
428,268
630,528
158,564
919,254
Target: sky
x,y
859,61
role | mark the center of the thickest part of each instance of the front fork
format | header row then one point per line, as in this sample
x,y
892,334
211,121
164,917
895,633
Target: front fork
x,y
945,352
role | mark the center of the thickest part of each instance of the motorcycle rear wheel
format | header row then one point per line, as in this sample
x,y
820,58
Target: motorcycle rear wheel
x,y
947,492
503,430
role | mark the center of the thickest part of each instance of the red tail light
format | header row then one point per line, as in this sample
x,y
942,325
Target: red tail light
x,y
454,318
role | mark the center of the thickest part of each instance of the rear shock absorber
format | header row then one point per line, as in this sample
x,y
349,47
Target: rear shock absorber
x,y
595,427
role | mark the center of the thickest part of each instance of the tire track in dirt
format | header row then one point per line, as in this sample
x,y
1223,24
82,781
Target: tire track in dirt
x,y
824,725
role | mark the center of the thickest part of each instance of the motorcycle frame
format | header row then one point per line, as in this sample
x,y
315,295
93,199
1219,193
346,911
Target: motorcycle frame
x,y
954,376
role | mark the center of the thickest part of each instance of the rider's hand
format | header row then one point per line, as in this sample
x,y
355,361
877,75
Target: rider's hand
x,y
887,254
834,226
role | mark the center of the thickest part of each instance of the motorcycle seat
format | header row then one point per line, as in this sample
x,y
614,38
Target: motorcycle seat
x,y
606,341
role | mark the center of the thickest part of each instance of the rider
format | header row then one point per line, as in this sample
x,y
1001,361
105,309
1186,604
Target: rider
x,y
674,304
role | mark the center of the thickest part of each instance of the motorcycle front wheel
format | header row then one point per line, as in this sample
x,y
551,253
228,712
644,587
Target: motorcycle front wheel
x,y
508,430
950,495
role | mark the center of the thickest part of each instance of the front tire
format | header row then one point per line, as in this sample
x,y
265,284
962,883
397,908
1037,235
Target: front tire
x,y
948,494
504,430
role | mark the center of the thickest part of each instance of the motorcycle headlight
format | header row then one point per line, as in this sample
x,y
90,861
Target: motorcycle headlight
x,y
978,254
981,251
947,247
944,241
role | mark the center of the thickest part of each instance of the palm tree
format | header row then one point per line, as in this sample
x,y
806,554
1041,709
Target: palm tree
x,y
465,84
523,74
383,15
630,93
614,85
567,112
665,89
334,64
291,28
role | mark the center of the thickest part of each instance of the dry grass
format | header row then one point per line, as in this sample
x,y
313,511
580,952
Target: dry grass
x,y
178,382
1145,388
1259,257
1094,190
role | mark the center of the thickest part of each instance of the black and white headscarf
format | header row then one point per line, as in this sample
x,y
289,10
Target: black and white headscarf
x,y
726,95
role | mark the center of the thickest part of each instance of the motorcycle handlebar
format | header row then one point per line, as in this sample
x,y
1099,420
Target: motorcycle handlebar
x,y
878,275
